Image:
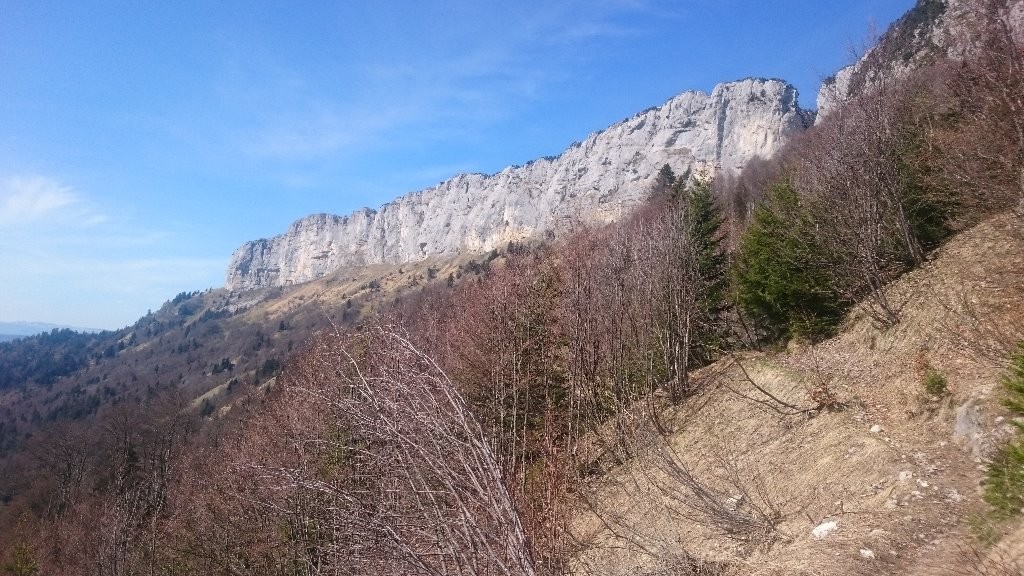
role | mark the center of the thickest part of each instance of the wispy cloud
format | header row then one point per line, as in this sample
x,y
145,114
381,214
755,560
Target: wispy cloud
x,y
97,292
297,134
589,21
440,89
25,199
30,200
66,269
132,272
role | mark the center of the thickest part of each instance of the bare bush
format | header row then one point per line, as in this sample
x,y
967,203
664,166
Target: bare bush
x,y
392,474
666,492
983,557
739,194
983,146
979,333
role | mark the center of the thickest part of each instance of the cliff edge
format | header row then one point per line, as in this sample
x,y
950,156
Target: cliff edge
x,y
593,181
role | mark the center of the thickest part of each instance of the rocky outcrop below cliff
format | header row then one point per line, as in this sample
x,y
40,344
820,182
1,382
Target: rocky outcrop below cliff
x,y
593,181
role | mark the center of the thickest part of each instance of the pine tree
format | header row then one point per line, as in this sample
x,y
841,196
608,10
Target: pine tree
x,y
666,177
782,277
710,268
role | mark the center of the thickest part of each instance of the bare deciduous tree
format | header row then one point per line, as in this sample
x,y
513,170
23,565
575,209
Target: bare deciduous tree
x,y
984,147
380,467
862,172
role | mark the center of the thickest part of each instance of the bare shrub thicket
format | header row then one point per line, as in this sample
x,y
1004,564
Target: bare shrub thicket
x,y
669,496
820,392
739,193
107,492
730,501
980,333
861,174
997,563
371,463
683,263
982,146
503,342
560,355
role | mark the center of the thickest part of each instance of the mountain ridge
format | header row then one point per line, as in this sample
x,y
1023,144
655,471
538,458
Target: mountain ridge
x,y
592,181
25,328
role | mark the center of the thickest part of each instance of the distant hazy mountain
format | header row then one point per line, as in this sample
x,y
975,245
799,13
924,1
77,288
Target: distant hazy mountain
x,y
12,330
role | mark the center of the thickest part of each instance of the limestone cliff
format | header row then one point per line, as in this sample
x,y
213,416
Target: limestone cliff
x,y
930,30
593,181
919,35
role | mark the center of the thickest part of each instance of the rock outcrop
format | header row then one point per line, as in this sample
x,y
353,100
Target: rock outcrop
x,y
918,36
593,181
931,29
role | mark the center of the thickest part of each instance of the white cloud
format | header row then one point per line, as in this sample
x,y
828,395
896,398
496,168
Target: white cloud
x,y
429,94
34,200
27,199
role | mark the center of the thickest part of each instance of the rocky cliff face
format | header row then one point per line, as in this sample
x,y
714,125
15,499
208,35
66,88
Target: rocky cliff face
x,y
931,29
924,32
593,181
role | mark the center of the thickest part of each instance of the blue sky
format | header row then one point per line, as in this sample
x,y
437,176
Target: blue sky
x,y
142,142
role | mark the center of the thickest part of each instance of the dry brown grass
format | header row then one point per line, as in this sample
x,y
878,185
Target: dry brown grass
x,y
332,291
904,493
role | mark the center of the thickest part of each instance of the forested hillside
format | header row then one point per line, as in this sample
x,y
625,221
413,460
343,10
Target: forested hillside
x,y
815,366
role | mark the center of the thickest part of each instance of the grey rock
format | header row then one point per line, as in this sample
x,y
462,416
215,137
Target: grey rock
x,y
595,181
825,529
932,28
967,431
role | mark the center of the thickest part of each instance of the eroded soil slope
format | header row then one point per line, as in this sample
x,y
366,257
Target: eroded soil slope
x,y
744,480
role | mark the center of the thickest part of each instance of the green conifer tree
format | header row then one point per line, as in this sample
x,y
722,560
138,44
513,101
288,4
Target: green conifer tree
x,y
710,269
782,277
